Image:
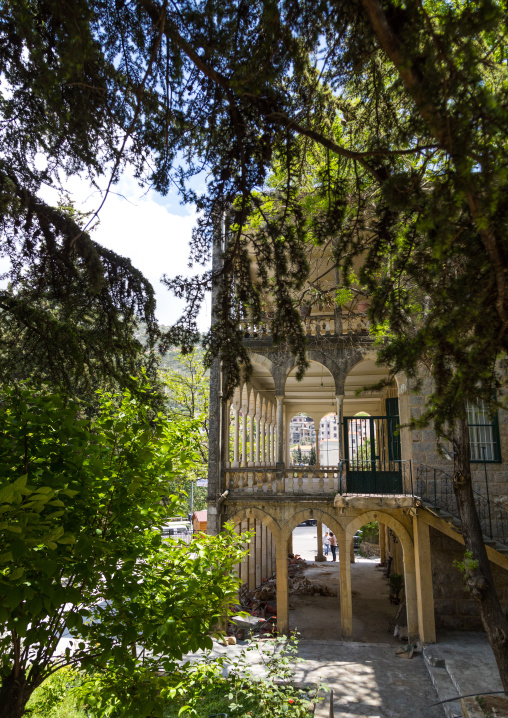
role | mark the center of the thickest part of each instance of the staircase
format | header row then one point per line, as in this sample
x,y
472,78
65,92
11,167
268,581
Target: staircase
x,y
434,487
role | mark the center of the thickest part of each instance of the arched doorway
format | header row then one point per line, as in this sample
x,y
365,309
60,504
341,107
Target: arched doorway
x,y
313,586
329,440
381,611
302,440
311,397
257,570
372,447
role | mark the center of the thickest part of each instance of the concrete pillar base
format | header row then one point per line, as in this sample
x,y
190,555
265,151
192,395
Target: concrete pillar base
x,y
320,559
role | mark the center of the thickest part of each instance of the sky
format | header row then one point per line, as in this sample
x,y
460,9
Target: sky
x,y
153,231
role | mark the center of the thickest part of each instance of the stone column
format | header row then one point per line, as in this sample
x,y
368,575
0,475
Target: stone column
x,y
236,440
410,591
319,556
269,561
264,552
257,420
244,436
272,443
259,549
279,456
244,568
262,436
252,556
251,439
382,543
352,551
227,428
216,431
281,561
290,543
340,412
424,590
346,602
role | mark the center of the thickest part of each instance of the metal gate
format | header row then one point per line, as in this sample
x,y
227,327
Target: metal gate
x,y
372,454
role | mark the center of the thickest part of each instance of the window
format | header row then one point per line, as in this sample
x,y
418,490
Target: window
x,y
483,433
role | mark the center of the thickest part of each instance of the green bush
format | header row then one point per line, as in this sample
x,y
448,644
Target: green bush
x,y
56,697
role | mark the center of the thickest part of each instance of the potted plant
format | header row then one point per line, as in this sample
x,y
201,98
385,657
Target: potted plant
x,y
396,581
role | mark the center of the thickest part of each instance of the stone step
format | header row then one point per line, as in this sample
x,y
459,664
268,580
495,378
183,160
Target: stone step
x,y
442,682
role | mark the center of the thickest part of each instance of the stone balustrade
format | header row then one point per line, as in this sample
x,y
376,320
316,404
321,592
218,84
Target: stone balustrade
x,y
315,326
305,481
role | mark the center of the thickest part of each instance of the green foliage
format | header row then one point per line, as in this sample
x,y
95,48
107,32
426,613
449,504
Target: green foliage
x,y
81,507
187,387
370,532
241,694
56,697
195,690
297,455
396,581
312,456
468,565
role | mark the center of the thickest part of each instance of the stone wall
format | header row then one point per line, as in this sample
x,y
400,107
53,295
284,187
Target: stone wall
x,y
423,447
454,608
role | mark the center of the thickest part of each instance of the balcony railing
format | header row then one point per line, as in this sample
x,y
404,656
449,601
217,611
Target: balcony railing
x,y
315,326
304,481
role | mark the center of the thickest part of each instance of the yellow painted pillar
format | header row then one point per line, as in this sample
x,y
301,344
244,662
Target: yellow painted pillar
x,y
290,544
424,589
264,552
410,591
346,602
352,551
259,548
252,556
319,556
237,565
244,568
281,560
382,543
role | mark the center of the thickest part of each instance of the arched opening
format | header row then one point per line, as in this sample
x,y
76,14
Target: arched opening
x,y
329,440
311,397
372,446
313,578
381,579
375,611
302,441
257,594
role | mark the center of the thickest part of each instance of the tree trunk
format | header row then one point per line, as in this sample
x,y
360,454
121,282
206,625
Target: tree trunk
x,y
478,573
14,695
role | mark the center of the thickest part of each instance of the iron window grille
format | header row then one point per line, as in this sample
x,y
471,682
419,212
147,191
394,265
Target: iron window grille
x,y
483,433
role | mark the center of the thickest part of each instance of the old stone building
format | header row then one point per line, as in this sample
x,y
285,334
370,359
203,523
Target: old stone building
x,y
395,477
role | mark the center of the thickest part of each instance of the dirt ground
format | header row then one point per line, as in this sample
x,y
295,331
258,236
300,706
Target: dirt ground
x,y
318,617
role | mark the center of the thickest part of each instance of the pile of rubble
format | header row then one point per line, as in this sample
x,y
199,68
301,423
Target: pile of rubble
x,y
262,601
369,550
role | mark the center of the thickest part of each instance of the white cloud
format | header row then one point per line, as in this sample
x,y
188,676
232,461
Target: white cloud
x,y
137,226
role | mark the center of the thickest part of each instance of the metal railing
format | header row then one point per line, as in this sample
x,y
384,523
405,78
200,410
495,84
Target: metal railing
x,y
376,477
435,486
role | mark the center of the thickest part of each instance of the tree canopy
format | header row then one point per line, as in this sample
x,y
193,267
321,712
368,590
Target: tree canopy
x,y
404,103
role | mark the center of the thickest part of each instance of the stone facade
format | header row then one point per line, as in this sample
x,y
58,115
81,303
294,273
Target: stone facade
x,y
453,605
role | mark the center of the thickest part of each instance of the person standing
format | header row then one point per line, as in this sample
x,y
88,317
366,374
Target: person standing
x,y
326,543
333,545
